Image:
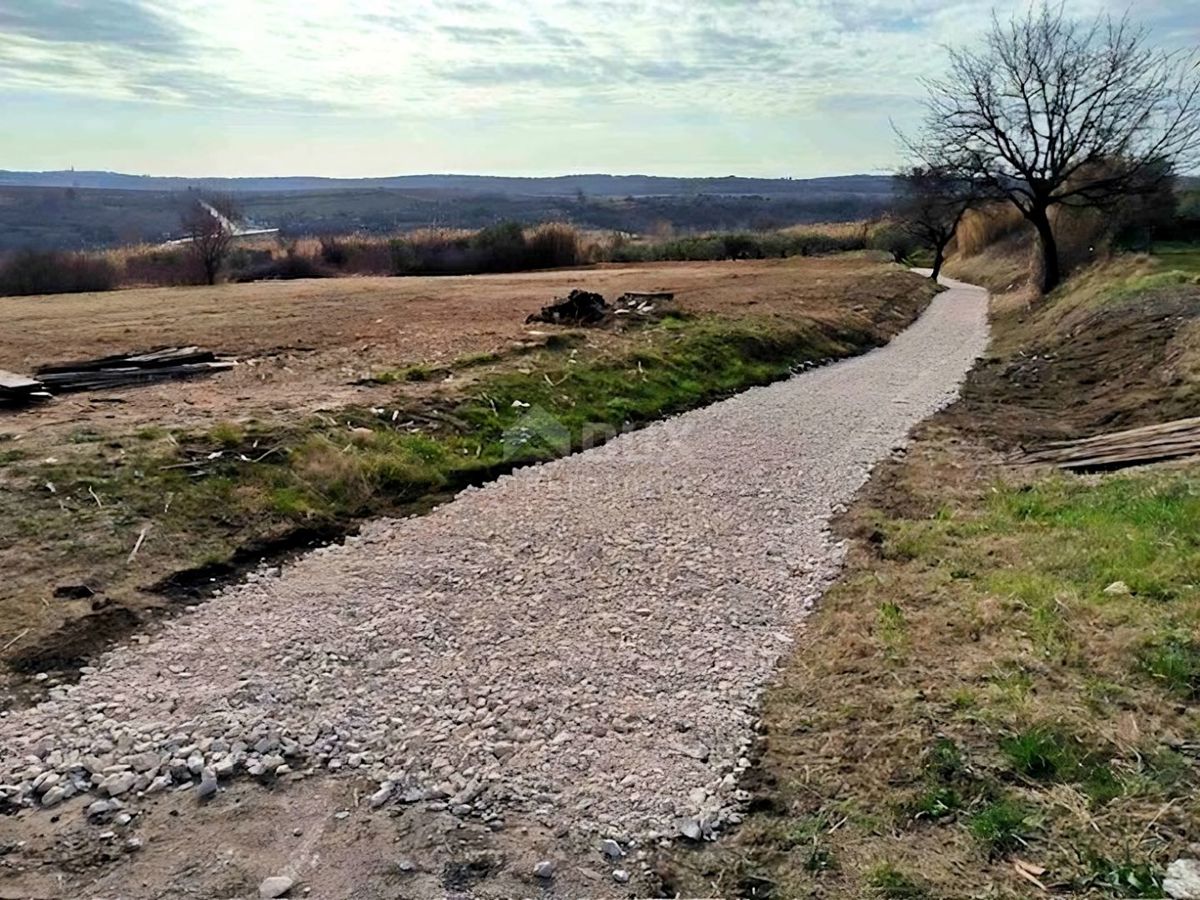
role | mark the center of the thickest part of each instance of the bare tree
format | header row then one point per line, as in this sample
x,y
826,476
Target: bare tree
x,y
932,203
208,227
1051,112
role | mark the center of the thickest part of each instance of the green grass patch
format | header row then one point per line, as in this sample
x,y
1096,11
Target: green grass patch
x,y
888,882
1173,660
1001,825
1050,755
1144,531
1125,878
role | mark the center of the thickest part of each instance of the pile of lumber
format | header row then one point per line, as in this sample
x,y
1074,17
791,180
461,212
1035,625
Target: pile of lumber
x,y
20,390
1138,446
138,368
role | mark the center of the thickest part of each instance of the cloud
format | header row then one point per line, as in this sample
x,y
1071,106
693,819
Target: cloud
x,y
742,71
102,23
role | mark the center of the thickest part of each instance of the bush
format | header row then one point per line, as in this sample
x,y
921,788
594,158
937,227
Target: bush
x,y
736,245
335,252
894,240
287,268
554,245
30,272
161,267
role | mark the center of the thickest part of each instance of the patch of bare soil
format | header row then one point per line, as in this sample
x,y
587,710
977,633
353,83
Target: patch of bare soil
x,y
317,831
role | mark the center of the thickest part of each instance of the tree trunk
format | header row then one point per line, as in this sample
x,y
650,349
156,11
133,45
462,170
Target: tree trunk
x,y
939,259
1051,272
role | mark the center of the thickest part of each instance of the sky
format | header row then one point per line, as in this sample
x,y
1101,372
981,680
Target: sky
x,y
353,88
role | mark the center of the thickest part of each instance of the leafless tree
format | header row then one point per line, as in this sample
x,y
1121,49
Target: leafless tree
x,y
932,203
1051,111
208,228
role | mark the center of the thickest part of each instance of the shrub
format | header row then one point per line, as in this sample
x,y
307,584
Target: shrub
x,y
161,267
52,272
335,252
290,267
554,245
891,238
500,248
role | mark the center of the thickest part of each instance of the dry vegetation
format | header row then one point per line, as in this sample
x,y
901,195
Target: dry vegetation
x,y
366,396
997,700
506,247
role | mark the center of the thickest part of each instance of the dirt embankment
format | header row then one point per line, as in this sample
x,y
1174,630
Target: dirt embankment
x,y
998,694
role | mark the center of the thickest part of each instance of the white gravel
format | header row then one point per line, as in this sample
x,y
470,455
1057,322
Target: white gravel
x,y
583,641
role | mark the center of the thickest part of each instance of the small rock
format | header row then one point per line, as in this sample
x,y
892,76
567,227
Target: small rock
x,y
55,796
544,869
621,876
144,762
611,849
382,795
99,808
1183,879
275,886
117,784
690,829
207,786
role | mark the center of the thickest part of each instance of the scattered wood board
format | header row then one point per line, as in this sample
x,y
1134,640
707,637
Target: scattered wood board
x,y
20,390
131,369
1137,446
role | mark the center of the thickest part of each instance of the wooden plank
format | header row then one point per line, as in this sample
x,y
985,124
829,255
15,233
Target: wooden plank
x,y
1165,427
11,381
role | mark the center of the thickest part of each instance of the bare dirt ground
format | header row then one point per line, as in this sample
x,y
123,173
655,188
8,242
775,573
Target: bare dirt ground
x,y
305,345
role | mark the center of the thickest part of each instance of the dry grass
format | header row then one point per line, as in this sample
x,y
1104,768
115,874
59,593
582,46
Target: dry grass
x,y
996,247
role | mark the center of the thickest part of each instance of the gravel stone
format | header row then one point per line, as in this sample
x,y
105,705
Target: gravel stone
x,y
275,886
532,644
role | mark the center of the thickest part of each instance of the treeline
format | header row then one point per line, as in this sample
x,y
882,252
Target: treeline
x,y
508,247
82,218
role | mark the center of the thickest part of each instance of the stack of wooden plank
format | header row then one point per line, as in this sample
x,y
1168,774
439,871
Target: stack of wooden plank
x,y
1137,446
138,368
20,390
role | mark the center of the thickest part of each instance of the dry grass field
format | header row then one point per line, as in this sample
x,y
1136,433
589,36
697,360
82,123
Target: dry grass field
x,y
306,345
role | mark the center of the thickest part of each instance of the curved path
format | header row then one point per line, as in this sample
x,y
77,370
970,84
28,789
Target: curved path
x,y
583,642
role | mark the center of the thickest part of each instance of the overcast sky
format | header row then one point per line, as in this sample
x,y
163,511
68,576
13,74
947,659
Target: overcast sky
x,y
521,87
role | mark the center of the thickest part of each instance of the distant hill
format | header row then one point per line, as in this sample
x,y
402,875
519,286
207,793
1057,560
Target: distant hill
x,y
86,210
478,185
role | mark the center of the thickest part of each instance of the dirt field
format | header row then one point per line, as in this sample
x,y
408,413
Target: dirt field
x,y
82,477
304,345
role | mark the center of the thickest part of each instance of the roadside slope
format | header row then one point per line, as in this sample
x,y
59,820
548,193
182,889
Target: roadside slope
x,y
1001,686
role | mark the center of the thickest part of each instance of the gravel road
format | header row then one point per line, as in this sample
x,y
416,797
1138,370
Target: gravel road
x,y
583,642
